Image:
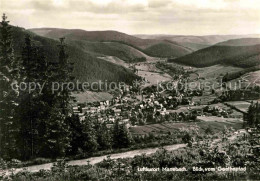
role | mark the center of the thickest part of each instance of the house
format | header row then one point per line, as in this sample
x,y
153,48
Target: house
x,y
76,112
125,121
102,107
111,119
75,108
84,109
117,111
109,126
81,116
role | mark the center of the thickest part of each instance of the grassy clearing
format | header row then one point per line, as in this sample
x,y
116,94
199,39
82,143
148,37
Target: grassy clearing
x,y
204,99
253,77
114,60
239,105
216,70
89,96
218,119
165,128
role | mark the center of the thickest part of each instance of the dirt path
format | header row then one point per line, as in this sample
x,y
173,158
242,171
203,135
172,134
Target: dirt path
x,y
94,160
128,154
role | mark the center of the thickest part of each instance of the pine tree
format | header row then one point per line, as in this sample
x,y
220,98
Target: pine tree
x,y
57,135
8,95
33,108
90,139
77,138
56,138
125,136
116,134
121,136
64,77
252,118
103,136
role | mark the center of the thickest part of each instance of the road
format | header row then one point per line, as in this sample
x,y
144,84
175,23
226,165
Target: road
x,y
94,160
128,154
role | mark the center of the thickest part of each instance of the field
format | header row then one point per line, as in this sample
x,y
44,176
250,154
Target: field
x,y
152,74
216,70
154,77
114,60
204,99
90,96
218,119
209,78
165,128
239,105
253,77
186,108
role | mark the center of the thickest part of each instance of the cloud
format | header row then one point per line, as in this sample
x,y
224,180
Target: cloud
x,y
158,3
138,16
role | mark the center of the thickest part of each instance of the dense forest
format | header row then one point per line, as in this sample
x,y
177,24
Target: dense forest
x,y
117,49
93,39
38,123
241,56
166,50
86,66
234,160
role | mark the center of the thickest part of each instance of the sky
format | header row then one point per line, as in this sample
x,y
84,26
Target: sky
x,y
179,17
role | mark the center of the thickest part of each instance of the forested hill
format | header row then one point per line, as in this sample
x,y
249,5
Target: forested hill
x,y
241,56
95,40
86,66
240,42
199,42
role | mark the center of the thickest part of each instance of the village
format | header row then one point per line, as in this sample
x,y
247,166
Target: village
x,y
146,103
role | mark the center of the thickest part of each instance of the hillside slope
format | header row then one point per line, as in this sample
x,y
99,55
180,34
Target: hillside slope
x,y
114,36
122,51
240,42
241,56
196,42
166,50
86,67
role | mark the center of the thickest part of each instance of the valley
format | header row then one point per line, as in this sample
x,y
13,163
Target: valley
x,y
219,56
178,93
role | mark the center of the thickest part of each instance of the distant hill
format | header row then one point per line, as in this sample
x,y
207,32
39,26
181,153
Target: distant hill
x,y
120,50
241,56
166,50
240,42
196,42
86,66
143,45
194,46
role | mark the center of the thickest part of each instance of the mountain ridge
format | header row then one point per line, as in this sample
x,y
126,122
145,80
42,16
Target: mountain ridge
x,y
174,50
87,68
241,56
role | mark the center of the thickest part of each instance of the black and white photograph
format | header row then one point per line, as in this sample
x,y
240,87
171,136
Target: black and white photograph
x,y
142,90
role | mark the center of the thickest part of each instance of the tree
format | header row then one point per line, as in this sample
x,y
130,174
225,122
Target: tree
x,y
77,137
56,139
33,108
125,136
121,136
252,118
90,144
57,125
43,114
8,95
103,137
64,76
